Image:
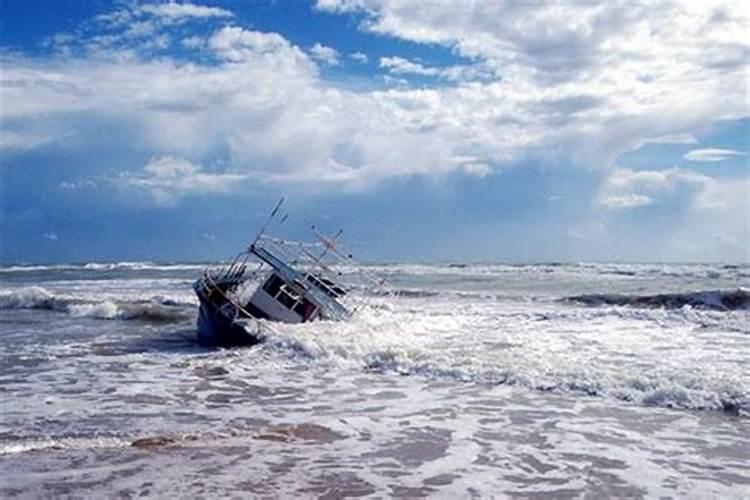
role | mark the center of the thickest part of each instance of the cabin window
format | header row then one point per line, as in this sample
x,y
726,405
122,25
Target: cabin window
x,y
273,285
326,285
276,288
287,297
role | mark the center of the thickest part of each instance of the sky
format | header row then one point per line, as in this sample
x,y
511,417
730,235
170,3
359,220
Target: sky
x,y
448,131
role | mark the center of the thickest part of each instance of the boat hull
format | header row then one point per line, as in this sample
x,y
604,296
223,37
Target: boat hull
x,y
215,329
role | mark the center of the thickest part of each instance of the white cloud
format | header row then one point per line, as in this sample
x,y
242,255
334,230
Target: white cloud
x,y
135,29
625,200
653,69
707,216
712,154
266,51
81,184
731,195
401,66
625,188
559,85
12,141
168,178
325,54
50,235
193,42
717,223
676,138
359,57
174,11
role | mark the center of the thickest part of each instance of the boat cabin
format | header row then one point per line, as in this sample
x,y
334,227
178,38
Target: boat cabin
x,y
278,300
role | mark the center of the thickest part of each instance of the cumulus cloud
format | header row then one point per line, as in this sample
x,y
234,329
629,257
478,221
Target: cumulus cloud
x,y
239,45
359,57
625,188
325,54
401,66
717,222
712,154
558,85
178,11
168,178
707,215
631,57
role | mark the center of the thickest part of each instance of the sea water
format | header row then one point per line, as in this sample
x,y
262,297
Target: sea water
x,y
531,381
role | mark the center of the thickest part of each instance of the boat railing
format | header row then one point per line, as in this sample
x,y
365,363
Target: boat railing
x,y
209,285
323,265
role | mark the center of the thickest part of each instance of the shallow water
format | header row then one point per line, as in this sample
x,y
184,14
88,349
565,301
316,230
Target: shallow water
x,y
528,381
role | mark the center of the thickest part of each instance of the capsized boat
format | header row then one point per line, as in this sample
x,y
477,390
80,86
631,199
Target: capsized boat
x,y
279,280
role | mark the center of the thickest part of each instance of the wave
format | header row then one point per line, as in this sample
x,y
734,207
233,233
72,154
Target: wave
x,y
655,391
105,266
156,309
34,297
410,293
381,342
141,266
647,390
22,444
719,300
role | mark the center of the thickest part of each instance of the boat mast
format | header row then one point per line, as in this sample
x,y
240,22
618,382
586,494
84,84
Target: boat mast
x,y
268,221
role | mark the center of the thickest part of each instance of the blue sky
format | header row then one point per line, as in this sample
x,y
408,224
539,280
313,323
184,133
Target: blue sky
x,y
491,131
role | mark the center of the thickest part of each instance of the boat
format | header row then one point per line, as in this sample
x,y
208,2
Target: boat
x,y
276,280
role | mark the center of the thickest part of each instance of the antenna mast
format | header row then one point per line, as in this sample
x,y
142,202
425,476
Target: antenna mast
x,y
268,221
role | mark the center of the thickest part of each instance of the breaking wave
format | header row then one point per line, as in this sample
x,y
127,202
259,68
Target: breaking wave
x,y
650,389
719,300
103,266
156,309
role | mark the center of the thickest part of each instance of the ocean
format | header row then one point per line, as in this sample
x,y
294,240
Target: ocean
x,y
470,381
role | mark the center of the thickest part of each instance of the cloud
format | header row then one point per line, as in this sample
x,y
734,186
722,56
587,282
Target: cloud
x,y
325,54
625,188
677,213
676,138
135,29
174,11
730,195
631,57
50,235
716,224
401,66
193,42
545,85
13,141
625,200
359,57
81,184
168,178
712,154
237,44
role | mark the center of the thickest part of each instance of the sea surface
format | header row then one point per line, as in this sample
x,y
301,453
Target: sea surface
x,y
470,381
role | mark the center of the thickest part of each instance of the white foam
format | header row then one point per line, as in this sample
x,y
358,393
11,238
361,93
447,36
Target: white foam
x,y
10,447
157,308
33,297
101,310
103,266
